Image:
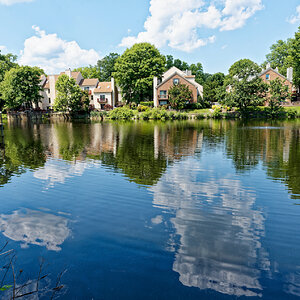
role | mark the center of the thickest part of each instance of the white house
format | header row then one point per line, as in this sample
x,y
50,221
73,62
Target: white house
x,y
100,93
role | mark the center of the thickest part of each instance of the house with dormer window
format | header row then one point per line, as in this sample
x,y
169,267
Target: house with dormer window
x,y
172,77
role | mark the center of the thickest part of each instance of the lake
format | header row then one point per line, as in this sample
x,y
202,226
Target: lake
x,y
144,210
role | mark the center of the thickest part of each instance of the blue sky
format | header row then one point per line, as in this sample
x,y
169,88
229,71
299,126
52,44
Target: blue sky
x,y
59,34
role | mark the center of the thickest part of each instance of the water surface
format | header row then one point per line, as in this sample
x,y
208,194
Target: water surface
x,y
181,210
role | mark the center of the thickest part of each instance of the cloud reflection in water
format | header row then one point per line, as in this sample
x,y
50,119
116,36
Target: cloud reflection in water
x,y
218,227
35,227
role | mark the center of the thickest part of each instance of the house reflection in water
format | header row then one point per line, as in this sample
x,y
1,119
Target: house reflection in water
x,y
36,228
218,228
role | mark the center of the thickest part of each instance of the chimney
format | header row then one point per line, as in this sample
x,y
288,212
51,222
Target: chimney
x,y
277,70
155,100
268,66
113,92
68,72
289,74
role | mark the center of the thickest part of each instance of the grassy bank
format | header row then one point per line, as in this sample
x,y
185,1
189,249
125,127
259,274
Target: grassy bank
x,y
125,113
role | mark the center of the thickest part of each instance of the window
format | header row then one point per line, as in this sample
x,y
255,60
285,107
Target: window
x,y
176,81
268,77
86,88
102,97
163,94
92,97
163,102
49,100
48,91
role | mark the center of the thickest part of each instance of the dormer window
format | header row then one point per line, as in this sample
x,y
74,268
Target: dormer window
x,y
176,81
267,76
86,88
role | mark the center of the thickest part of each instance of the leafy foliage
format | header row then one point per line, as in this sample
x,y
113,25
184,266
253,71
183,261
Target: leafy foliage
x,y
247,89
214,89
69,96
88,72
106,66
135,71
295,54
197,69
102,70
179,96
21,86
280,56
278,93
121,113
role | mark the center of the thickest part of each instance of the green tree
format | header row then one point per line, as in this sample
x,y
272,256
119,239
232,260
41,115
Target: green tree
x,y
280,55
135,70
247,89
7,62
278,92
179,96
106,66
88,72
197,70
213,88
70,98
21,87
169,62
295,55
178,63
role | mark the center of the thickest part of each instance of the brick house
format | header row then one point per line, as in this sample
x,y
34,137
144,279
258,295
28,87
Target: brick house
x,y
172,77
270,74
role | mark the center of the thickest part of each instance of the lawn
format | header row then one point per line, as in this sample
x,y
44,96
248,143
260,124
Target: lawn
x,y
297,108
199,111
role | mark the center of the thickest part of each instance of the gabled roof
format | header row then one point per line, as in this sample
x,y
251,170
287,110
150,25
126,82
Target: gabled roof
x,y
73,74
271,69
196,85
103,87
89,82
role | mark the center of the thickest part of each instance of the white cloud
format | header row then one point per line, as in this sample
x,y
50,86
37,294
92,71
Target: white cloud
x,y
11,2
54,54
2,48
178,23
295,18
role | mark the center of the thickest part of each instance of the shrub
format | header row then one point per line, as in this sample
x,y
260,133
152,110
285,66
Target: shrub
x,y
147,103
146,115
142,108
217,112
133,105
291,113
98,114
121,113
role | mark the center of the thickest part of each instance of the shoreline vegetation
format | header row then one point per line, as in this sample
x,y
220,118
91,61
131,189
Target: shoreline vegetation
x,y
163,114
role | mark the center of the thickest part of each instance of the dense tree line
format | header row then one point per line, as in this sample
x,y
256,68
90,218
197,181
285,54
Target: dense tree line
x,y
134,71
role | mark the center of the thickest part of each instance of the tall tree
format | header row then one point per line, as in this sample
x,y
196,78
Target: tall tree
x,y
21,86
70,98
280,56
214,89
278,92
295,54
7,62
197,70
247,89
88,72
106,66
135,70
